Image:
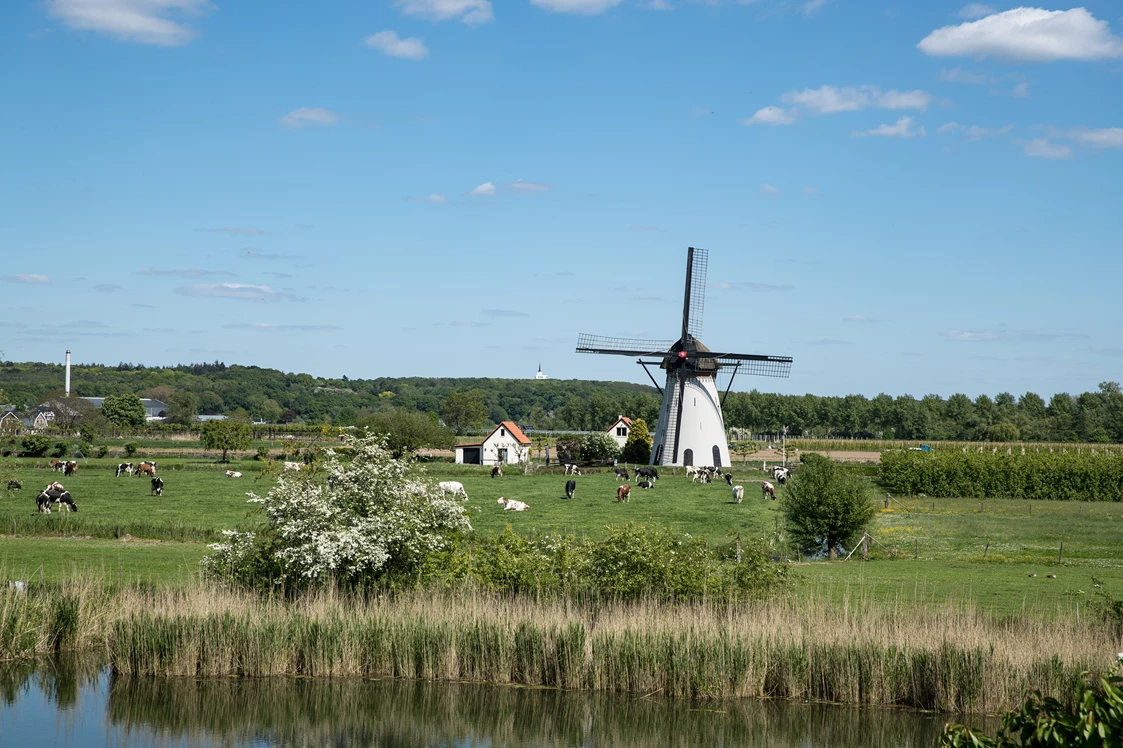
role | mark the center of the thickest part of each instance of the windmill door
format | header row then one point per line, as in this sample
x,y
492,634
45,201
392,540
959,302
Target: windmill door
x,y
688,458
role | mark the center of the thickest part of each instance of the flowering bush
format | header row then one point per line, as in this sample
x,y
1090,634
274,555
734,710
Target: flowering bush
x,y
372,518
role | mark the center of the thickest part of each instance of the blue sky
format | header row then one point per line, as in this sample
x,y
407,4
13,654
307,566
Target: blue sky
x,y
908,197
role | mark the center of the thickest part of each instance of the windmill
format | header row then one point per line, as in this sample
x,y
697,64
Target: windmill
x,y
691,430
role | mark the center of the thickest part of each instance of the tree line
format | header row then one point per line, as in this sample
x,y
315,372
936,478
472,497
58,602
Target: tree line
x,y
467,404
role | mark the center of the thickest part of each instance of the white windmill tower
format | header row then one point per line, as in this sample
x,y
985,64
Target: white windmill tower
x,y
691,430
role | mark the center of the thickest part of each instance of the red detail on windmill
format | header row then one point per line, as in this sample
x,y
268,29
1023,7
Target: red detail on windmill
x,y
682,354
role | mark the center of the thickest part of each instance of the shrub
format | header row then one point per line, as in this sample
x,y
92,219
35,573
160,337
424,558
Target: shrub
x,y
102,451
131,448
599,446
373,519
61,449
638,447
225,436
262,453
35,445
826,505
86,448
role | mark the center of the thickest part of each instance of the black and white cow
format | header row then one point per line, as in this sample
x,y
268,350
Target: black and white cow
x,y
622,473
14,485
70,468
44,500
570,487
124,468
648,472
729,478
157,487
644,484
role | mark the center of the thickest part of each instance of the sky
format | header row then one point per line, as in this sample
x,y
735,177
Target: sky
x,y
904,197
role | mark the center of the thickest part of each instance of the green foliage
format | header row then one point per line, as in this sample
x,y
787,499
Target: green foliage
x,y
1034,475
225,436
826,505
599,446
102,451
637,449
125,412
183,408
464,410
1003,432
262,454
1042,722
61,449
35,445
131,448
407,431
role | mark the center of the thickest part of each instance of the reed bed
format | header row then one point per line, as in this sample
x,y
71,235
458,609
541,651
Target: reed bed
x,y
949,658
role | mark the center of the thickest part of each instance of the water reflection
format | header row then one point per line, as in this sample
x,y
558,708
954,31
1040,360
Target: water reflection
x,y
84,705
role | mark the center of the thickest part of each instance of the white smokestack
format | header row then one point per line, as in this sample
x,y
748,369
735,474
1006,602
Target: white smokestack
x,y
68,373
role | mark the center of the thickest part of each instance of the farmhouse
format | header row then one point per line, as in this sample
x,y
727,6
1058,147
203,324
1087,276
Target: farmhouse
x,y
507,444
10,423
153,409
620,429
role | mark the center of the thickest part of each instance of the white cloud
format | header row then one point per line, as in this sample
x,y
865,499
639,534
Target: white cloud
x,y
470,12
487,188
858,318
32,278
107,287
997,83
298,118
902,128
241,291
1111,137
1019,91
1027,35
524,185
388,43
974,132
969,336
833,99
1042,148
811,7
959,75
437,198
578,7
768,189
809,190
274,327
770,115
975,10
143,21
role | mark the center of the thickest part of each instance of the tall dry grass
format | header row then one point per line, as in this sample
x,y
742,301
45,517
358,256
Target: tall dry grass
x,y
942,657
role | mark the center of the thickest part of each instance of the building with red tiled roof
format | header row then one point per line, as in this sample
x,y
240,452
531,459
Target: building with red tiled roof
x,y
506,445
620,429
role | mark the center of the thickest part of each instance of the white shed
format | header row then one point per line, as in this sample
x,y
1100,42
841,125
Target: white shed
x,y
620,429
506,445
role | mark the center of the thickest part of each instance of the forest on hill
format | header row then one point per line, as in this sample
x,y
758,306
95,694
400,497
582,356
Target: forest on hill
x,y
276,396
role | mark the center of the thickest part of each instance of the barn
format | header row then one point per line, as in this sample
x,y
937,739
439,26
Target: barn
x,y
506,445
10,423
620,429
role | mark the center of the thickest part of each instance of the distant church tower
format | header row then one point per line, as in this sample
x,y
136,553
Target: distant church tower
x,y
540,375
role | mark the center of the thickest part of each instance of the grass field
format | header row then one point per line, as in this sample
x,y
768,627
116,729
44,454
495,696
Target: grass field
x,y
950,534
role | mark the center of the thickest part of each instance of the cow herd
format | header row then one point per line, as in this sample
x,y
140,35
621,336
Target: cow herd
x,y
55,494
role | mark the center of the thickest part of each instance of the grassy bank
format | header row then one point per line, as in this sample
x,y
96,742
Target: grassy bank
x,y
953,658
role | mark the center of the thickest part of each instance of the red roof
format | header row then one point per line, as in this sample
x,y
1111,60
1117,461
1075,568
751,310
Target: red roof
x,y
627,422
516,432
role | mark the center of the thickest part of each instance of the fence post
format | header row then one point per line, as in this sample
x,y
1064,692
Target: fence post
x,y
986,549
916,549
1061,554
40,575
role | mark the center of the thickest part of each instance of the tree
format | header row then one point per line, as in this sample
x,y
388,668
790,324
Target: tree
x,y
407,431
464,410
271,411
1096,722
599,446
637,449
374,518
826,504
183,408
225,436
1003,432
125,412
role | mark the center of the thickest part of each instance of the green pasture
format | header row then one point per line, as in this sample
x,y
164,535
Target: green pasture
x,y
937,545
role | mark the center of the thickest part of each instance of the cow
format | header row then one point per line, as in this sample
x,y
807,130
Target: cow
x,y
14,485
454,487
54,486
738,493
768,491
622,473
44,500
648,472
623,493
233,474
511,505
781,474
146,468
58,465
124,468
729,478
571,469
570,487
644,484
497,472
70,468
157,487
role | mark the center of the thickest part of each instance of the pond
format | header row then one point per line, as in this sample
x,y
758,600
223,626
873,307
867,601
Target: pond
x,y
75,702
